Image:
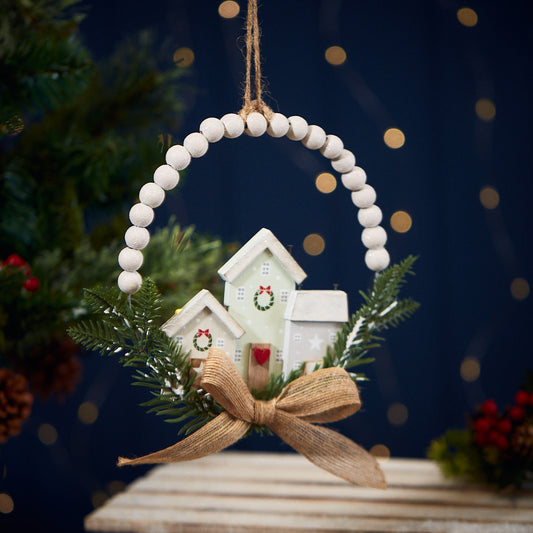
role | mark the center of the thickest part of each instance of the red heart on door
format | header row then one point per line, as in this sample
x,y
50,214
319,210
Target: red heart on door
x,y
261,355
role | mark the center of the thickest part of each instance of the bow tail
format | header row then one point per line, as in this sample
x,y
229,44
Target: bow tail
x,y
217,434
330,451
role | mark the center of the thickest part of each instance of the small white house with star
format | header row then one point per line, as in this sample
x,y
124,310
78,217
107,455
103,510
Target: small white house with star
x,y
312,320
259,280
203,322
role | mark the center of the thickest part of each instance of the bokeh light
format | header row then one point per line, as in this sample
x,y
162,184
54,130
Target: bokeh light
x,y
13,126
228,9
98,498
314,244
47,434
485,109
397,414
394,138
88,413
6,503
114,487
183,57
401,222
335,55
520,288
467,17
325,182
380,452
489,197
470,369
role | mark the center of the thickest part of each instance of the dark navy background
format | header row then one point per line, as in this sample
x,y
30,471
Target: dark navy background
x,y
410,65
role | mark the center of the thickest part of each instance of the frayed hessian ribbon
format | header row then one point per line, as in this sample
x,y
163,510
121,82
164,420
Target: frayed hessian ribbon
x,y
326,395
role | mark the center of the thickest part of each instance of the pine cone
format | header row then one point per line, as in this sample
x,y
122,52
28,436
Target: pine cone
x,y
15,403
522,440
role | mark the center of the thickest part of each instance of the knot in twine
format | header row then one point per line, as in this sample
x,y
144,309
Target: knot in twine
x,y
325,395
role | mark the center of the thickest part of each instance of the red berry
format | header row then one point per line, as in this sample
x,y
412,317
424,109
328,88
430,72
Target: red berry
x,y
502,443
489,408
494,437
481,439
504,426
516,413
531,399
14,260
31,284
521,398
482,425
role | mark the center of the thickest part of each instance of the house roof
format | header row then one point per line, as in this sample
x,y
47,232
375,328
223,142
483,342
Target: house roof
x,y
195,306
317,306
263,240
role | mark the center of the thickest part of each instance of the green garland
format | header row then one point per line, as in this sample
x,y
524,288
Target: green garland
x,y
130,329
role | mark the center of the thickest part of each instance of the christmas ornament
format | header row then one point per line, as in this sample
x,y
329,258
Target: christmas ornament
x,y
15,403
272,358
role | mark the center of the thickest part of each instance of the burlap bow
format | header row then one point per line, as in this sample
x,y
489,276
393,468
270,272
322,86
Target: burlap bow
x,y
325,395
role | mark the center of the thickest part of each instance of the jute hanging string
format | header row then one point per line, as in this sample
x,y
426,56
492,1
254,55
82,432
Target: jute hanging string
x,y
253,36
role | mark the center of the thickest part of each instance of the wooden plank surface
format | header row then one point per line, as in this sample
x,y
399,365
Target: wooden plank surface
x,y
238,492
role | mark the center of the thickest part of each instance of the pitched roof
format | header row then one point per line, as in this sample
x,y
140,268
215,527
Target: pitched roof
x,y
195,306
263,240
317,306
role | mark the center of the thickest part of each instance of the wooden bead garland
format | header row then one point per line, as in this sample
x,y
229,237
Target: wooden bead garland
x,y
231,126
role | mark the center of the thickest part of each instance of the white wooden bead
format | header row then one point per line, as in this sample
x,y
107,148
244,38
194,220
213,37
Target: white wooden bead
x,y
256,124
129,282
130,260
141,215
333,147
151,194
344,163
374,237
178,157
166,177
377,259
355,179
212,129
233,125
196,144
365,197
137,238
298,128
315,138
278,126
370,217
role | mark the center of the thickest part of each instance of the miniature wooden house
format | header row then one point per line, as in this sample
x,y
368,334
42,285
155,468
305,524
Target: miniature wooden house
x,y
259,280
203,322
312,320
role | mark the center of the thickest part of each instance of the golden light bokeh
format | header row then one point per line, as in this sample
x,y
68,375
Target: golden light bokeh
x,y
314,244
87,413
520,288
467,17
13,126
6,503
485,109
114,487
401,222
394,138
335,55
470,369
228,9
183,57
397,414
380,452
489,197
98,498
325,182
47,434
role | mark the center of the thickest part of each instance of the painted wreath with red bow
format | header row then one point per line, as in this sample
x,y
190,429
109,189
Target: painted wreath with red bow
x,y
198,335
268,292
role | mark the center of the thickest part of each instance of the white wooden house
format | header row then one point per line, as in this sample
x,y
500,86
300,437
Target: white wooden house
x,y
203,322
312,320
259,280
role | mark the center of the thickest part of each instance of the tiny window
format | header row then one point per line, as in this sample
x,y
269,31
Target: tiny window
x,y
296,365
332,337
241,291
279,355
238,356
297,337
283,296
265,268
220,343
179,340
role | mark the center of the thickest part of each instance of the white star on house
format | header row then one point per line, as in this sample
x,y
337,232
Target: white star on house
x,y
315,342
